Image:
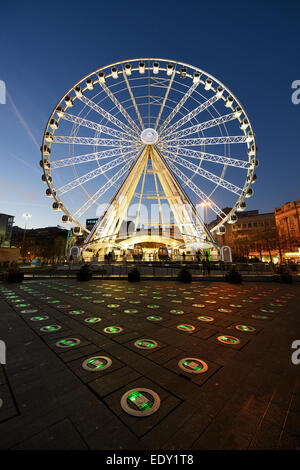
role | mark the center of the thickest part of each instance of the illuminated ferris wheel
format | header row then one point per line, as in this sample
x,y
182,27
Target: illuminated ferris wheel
x,y
152,116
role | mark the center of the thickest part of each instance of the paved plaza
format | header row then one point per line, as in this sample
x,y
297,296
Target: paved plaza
x,y
241,391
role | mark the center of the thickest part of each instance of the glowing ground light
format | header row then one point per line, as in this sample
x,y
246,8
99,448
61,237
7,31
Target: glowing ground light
x,y
53,302
210,301
153,306
228,339
50,328
154,318
146,344
113,329
177,312
86,298
106,295
265,310
67,342
32,310
92,319
96,363
224,310
140,402
198,305
250,301
208,319
130,310
158,298
40,318
98,301
245,328
235,305
76,312
134,301
113,305
260,317
193,365
186,328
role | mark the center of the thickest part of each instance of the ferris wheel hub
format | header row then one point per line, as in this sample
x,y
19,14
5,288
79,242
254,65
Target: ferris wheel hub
x,y
149,136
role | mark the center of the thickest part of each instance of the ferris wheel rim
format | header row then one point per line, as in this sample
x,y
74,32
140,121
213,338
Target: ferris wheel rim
x,y
250,173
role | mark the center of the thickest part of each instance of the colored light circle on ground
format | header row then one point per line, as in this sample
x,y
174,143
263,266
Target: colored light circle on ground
x,y
32,310
177,312
145,344
39,318
224,310
130,310
203,318
198,305
76,312
140,402
193,365
154,318
96,363
67,342
113,329
186,328
245,328
92,319
50,328
228,339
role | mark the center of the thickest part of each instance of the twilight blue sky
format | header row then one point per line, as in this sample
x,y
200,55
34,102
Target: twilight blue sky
x,y
252,47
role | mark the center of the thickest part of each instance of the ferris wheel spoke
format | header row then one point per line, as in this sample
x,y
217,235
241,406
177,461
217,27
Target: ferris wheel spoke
x,y
210,157
191,115
65,139
202,126
133,100
92,174
165,99
95,126
89,157
196,190
235,139
102,190
206,174
177,107
91,104
121,108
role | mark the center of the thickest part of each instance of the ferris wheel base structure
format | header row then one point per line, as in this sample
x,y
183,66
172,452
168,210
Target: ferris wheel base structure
x,y
187,234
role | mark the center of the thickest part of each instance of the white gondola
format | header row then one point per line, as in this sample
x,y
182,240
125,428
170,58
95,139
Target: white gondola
x,y
244,124
238,111
128,69
232,219
221,230
101,77
196,77
241,207
183,72
89,83
169,69
78,91
142,67
249,193
53,124
250,136
46,178
48,192
60,111
229,101
68,101
114,72
48,137
57,206
77,231
208,84
45,150
220,91
155,67
251,150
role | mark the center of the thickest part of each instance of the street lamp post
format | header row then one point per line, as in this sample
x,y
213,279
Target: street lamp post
x,y
27,216
206,204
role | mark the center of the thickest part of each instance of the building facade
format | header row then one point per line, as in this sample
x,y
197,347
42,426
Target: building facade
x,y
288,226
6,225
253,237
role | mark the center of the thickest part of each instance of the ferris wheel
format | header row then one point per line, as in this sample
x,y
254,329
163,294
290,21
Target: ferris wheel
x,y
99,130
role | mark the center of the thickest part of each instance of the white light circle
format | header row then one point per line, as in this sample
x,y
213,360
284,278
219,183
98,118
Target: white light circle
x,y
149,136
